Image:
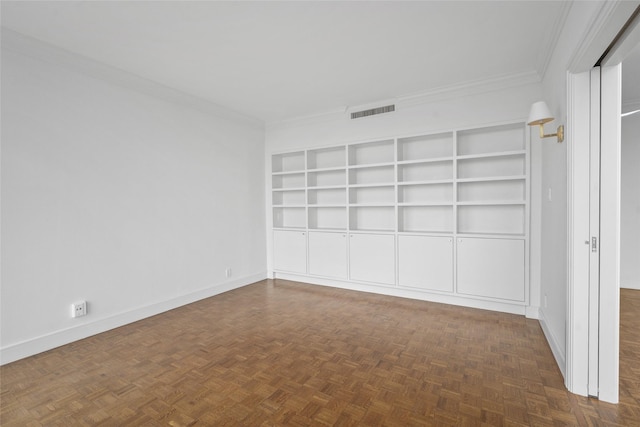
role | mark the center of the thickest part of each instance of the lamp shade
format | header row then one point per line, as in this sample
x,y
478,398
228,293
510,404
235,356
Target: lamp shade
x,y
539,114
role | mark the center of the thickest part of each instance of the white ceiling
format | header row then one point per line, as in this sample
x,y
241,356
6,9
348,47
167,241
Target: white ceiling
x,y
276,60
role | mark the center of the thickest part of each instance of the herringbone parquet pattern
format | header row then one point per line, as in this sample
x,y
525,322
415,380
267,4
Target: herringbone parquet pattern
x,y
284,353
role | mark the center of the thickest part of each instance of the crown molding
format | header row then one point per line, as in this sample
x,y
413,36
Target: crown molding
x,y
604,25
38,49
552,38
468,88
473,87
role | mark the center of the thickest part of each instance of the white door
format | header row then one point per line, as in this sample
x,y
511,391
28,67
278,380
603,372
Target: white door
x,y
290,251
372,258
328,254
491,268
425,262
594,303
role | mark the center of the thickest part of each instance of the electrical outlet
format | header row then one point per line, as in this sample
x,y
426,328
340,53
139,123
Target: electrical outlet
x,y
79,309
227,272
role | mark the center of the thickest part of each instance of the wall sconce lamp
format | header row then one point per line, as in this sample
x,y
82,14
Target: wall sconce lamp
x,y
540,115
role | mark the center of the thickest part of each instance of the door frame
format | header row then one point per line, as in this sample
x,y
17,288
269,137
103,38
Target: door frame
x,y
607,23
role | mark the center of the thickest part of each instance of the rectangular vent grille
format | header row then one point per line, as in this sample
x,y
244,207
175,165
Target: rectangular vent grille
x,y
373,111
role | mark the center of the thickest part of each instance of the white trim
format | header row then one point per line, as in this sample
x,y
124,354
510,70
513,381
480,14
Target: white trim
x,y
600,32
532,312
577,315
55,339
551,40
442,298
625,45
554,343
610,232
594,232
464,89
630,284
38,49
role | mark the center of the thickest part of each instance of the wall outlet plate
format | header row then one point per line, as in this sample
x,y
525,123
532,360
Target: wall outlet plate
x,y
79,309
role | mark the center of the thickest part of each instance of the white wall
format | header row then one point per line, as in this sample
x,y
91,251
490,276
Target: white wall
x,y
464,107
554,262
630,204
109,195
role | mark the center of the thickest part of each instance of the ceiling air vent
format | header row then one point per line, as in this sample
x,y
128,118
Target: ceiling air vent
x,y
373,111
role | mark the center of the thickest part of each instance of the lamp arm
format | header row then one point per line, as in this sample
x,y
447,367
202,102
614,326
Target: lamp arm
x,y
559,133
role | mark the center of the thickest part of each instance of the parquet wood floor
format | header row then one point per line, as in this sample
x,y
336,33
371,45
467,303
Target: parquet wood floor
x,y
284,353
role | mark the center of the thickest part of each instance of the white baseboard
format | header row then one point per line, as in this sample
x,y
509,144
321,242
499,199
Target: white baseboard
x,y
557,350
443,298
532,312
630,284
55,339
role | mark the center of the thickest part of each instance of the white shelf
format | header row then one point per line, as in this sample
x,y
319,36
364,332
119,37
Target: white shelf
x,y
325,178
370,205
433,171
290,228
331,217
492,202
483,167
491,219
389,212
426,233
371,153
371,165
379,185
372,217
433,218
372,194
425,193
289,217
326,169
326,158
288,162
427,182
434,160
426,204
288,172
425,147
289,189
496,154
494,178
494,139
373,175
493,235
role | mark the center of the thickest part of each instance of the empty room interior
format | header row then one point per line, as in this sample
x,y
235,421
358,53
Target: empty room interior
x,y
325,213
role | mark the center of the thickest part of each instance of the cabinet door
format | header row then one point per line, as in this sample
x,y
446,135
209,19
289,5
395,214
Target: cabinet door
x,y
290,251
491,268
328,254
425,262
372,258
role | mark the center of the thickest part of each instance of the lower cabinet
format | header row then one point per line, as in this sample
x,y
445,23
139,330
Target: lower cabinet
x,y
493,268
425,262
328,254
372,258
290,251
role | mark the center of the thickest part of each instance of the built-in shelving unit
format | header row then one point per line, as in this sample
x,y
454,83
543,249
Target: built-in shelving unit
x,y
428,202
